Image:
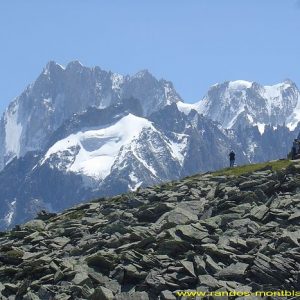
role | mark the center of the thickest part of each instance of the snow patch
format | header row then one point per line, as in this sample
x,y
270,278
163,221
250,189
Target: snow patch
x,y
12,209
252,148
13,130
117,80
170,94
135,181
292,125
261,127
185,107
239,84
275,91
178,147
294,118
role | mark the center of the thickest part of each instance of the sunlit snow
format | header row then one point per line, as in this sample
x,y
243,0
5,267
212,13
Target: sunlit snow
x,y
178,148
261,127
13,130
239,84
185,107
135,181
117,80
99,147
9,216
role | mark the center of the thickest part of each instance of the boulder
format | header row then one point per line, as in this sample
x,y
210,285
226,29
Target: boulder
x,y
102,293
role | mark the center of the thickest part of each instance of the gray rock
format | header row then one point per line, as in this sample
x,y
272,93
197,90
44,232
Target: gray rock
x,y
249,184
102,293
37,225
156,280
167,295
31,296
200,265
132,296
211,265
190,233
258,212
106,260
209,281
233,271
295,216
81,278
189,267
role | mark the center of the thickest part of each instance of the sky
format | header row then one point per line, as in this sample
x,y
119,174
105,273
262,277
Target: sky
x,y
193,43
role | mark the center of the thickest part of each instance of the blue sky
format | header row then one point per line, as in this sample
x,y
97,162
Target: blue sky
x,y
193,43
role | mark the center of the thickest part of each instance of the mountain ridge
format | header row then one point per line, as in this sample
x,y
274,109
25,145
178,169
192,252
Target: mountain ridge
x,y
276,105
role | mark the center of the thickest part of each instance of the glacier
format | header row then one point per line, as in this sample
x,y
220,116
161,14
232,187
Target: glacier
x,y
97,148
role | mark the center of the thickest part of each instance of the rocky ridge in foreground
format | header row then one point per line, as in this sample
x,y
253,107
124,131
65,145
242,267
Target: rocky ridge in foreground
x,y
207,232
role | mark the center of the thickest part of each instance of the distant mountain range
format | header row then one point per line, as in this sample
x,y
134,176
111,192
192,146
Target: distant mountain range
x,y
78,133
243,103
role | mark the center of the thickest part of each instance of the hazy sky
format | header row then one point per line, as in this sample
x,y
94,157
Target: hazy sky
x,y
193,43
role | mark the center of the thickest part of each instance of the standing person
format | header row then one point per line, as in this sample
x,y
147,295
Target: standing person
x,y
297,146
231,158
294,149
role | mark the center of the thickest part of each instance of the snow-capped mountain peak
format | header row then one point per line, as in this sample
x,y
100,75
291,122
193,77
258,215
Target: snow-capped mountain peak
x,y
244,103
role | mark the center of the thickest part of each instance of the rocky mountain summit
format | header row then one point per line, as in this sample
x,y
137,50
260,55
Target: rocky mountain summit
x,y
225,231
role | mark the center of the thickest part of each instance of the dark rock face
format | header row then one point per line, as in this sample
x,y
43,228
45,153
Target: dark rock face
x,y
206,233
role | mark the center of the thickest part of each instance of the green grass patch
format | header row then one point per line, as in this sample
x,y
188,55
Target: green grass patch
x,y
15,253
240,170
74,215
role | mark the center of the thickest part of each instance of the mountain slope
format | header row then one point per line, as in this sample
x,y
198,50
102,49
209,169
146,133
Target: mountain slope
x,y
111,151
207,233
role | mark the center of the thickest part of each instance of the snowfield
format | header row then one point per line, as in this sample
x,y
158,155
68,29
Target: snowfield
x,y
98,148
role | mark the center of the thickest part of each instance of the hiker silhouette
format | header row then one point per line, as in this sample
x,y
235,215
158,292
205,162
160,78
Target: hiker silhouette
x,y
231,158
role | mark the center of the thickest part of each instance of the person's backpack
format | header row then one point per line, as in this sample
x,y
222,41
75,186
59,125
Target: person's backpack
x,y
232,155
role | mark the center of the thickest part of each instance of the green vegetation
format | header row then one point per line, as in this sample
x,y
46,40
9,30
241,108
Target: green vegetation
x,y
272,165
15,253
77,214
